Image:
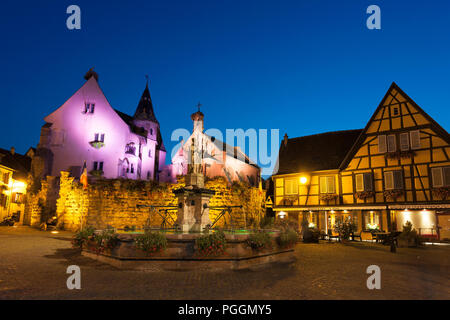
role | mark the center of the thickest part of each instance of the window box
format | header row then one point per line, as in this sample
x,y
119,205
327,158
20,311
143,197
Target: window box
x,y
442,193
289,200
393,194
97,173
97,144
328,197
400,154
365,195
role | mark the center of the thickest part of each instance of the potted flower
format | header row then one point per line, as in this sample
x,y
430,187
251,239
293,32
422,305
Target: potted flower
x,y
212,244
151,243
393,194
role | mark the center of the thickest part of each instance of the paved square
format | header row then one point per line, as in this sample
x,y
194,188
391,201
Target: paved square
x,y
33,266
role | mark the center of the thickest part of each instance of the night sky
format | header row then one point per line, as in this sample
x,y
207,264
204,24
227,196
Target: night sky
x,y
303,67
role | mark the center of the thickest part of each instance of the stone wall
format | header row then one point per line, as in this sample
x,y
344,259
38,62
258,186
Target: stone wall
x,y
116,203
41,205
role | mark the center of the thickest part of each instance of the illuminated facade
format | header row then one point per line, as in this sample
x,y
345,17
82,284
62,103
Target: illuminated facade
x,y
396,169
14,169
86,130
217,158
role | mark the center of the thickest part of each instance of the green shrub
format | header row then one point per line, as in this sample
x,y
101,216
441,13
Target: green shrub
x,y
287,238
259,240
151,242
212,244
266,222
344,228
82,237
409,235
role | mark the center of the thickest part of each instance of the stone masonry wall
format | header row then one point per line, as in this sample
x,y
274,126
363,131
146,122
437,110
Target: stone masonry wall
x,y
41,206
116,203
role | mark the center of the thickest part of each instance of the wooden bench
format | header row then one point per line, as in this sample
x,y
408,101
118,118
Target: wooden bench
x,y
356,235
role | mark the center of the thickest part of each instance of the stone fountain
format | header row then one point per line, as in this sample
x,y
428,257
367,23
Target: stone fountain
x,y
193,199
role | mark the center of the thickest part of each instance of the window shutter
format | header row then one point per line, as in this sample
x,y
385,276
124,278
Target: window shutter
x,y
446,174
404,141
367,182
388,180
331,186
382,144
359,182
415,139
398,180
391,145
323,185
436,173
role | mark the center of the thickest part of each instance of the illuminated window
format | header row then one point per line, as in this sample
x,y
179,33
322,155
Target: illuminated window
x,y
327,184
290,186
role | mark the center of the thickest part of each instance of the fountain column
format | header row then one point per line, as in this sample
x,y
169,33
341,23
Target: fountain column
x,y
193,199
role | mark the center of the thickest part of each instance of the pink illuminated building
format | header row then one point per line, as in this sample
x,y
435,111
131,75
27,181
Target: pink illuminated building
x,y
217,158
86,130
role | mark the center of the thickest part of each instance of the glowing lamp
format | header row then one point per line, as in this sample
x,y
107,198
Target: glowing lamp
x,y
282,215
303,180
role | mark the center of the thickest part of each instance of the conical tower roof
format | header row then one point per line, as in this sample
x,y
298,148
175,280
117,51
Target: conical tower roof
x,y
144,110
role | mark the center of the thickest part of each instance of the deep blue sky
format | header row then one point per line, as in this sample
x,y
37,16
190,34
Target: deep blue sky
x,y
304,67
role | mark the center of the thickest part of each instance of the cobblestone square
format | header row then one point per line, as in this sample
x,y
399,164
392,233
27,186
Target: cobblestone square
x,y
33,266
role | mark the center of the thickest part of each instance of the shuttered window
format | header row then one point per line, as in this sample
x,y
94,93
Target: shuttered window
x,y
415,139
441,177
382,147
404,141
363,182
368,182
393,180
359,182
291,186
391,145
327,185
446,172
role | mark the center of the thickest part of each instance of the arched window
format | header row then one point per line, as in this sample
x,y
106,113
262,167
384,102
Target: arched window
x,y
130,148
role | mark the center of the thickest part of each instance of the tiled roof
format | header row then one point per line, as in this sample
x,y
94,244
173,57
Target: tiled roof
x,y
18,162
323,151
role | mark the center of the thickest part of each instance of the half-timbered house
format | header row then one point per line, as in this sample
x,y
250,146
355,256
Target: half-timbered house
x,y
396,169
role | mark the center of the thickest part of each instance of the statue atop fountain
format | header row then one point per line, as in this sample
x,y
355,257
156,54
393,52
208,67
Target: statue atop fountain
x,y
193,199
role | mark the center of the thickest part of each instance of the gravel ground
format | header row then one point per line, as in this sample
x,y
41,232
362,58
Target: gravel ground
x,y
33,266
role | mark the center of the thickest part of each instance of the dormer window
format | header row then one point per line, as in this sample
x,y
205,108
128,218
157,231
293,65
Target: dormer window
x,y
89,107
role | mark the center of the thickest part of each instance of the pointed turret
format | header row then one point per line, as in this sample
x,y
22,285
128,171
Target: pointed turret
x,y
144,110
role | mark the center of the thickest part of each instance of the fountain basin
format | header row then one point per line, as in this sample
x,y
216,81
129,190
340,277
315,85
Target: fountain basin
x,y
181,254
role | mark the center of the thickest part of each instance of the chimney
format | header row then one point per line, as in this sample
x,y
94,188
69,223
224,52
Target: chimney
x,y
285,140
13,150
